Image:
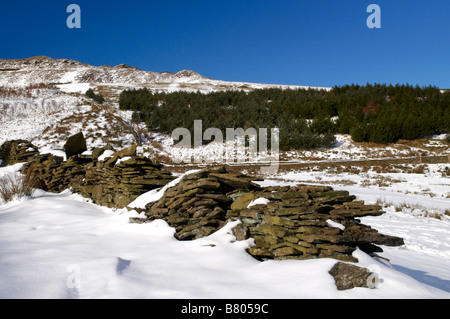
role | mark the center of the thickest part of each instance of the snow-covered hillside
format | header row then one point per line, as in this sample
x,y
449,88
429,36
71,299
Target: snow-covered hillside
x,y
63,71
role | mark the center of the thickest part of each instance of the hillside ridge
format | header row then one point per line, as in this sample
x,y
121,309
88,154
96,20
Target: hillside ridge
x,y
42,69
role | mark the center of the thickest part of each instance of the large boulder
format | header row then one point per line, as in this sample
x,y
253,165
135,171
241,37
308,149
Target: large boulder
x,y
75,145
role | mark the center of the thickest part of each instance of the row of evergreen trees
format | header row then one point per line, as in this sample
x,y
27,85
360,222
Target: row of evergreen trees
x,y
96,97
307,118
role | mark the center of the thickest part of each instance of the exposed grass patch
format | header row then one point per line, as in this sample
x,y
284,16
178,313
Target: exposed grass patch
x,y
17,187
416,210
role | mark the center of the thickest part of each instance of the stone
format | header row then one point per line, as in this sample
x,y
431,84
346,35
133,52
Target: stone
x,y
121,200
203,184
251,213
285,251
17,151
294,202
233,180
127,152
201,212
243,201
205,202
97,152
221,198
349,276
259,253
273,220
240,232
105,183
177,219
75,145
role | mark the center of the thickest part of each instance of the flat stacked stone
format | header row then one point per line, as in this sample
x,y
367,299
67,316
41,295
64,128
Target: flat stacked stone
x,y
114,182
305,222
197,206
301,222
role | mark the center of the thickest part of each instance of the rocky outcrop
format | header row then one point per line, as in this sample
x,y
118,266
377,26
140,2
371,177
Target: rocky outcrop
x,y
18,151
300,222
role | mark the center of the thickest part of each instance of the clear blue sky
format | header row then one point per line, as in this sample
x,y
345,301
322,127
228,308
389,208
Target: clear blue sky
x,y
314,42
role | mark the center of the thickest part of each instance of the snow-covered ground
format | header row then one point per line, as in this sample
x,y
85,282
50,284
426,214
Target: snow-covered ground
x,y
63,246
29,112
426,185
419,220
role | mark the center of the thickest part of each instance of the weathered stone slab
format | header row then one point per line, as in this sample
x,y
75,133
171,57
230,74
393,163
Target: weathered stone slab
x,y
75,145
350,276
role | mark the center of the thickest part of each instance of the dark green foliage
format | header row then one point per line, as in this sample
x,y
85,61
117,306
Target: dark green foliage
x,y
96,97
374,113
385,114
359,132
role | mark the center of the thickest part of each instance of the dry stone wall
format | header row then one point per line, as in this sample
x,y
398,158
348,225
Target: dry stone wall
x,y
300,222
113,182
197,206
304,222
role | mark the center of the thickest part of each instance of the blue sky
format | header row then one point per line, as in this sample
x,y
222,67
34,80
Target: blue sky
x,y
320,42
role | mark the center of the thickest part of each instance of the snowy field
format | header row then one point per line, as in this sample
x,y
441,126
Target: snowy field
x,y
63,246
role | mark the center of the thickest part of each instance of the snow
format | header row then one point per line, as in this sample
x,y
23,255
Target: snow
x,y
59,153
426,255
25,117
74,88
54,235
124,159
64,246
259,201
106,154
157,194
335,225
